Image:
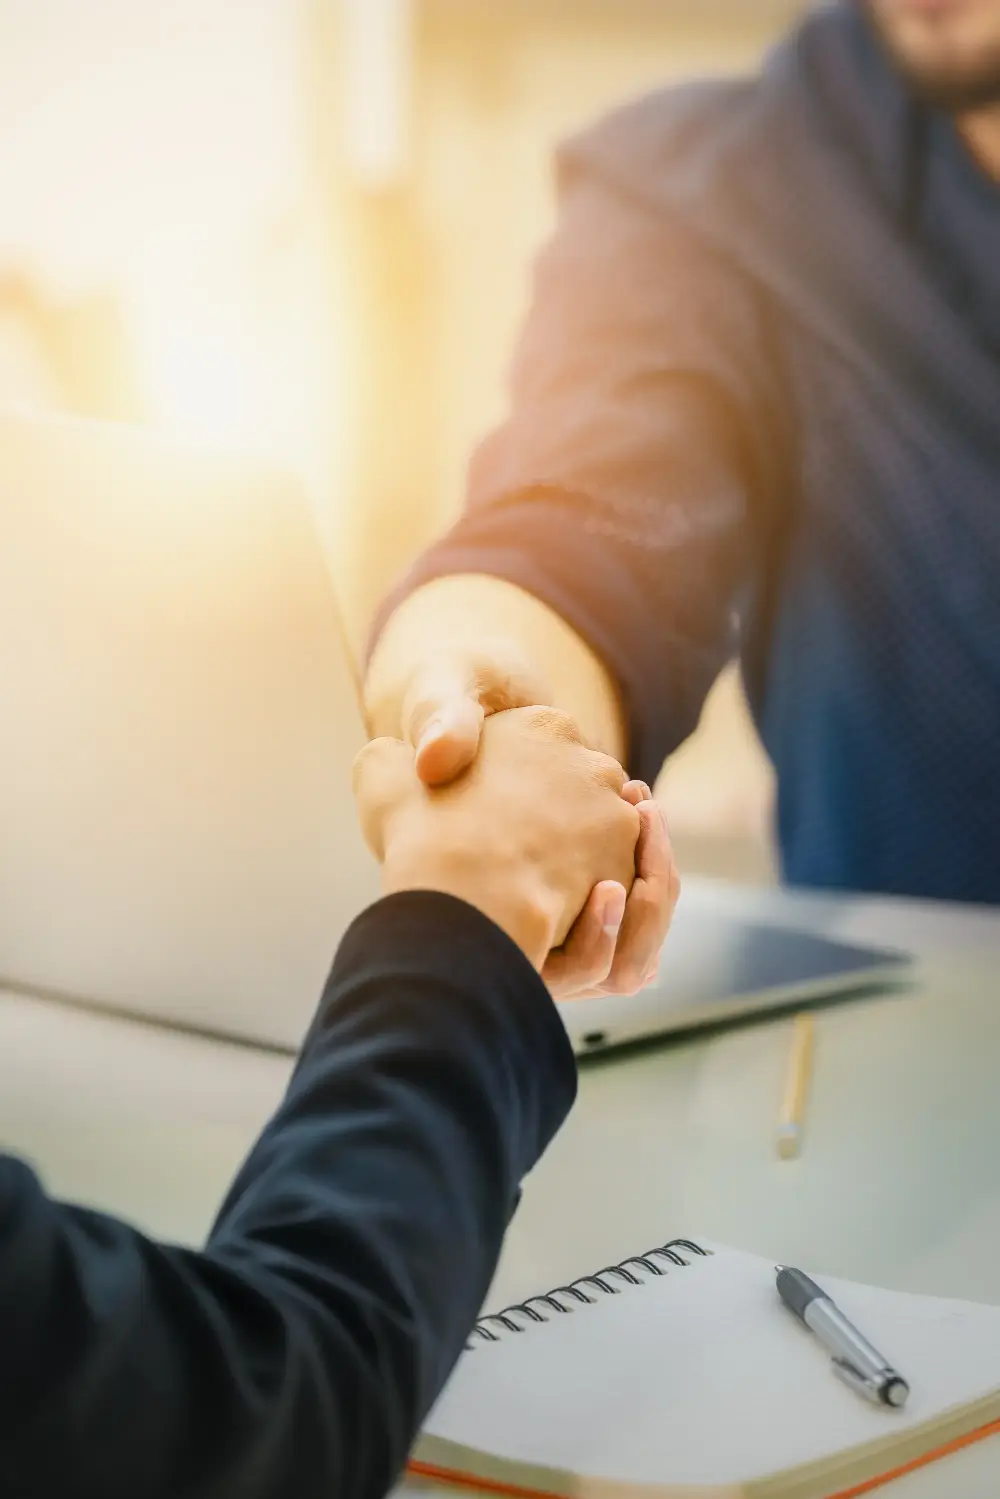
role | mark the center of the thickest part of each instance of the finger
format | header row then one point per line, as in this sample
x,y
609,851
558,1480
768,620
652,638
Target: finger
x,y
496,677
562,728
442,714
585,958
441,718
636,792
650,905
382,775
449,741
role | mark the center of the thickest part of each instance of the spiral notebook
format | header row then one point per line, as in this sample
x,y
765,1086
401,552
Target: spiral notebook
x,y
679,1374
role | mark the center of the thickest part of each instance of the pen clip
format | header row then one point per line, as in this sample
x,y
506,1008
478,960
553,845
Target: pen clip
x,y
856,1381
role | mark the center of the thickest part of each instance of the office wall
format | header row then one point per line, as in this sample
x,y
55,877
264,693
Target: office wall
x,y
493,99
159,247
448,250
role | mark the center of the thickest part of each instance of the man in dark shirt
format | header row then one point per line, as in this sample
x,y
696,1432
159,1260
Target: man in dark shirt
x,y
296,1356
756,409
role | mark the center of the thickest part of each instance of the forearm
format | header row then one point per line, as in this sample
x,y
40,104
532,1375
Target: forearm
x,y
629,497
300,1352
474,608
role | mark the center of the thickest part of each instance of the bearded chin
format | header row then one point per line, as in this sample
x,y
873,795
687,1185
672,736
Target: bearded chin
x,y
956,91
955,87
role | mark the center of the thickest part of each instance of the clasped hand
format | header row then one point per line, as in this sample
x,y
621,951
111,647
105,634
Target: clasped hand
x,y
542,834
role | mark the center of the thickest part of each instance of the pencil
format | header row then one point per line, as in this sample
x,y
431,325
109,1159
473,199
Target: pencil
x,y
796,1087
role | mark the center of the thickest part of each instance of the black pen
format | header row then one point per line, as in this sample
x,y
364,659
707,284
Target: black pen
x,y
855,1361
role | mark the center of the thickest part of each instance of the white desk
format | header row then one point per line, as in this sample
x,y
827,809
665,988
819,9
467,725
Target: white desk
x,y
147,1123
899,1181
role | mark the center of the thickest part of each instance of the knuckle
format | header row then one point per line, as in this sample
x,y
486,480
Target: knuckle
x,y
646,905
608,772
625,978
596,972
554,723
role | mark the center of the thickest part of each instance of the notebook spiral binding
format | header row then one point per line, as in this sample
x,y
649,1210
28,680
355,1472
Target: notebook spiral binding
x,y
632,1272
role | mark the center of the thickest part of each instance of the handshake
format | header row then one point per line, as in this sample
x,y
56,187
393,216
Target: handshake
x,y
488,797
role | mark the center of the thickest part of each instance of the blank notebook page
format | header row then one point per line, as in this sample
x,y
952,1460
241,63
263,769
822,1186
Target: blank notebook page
x,y
702,1377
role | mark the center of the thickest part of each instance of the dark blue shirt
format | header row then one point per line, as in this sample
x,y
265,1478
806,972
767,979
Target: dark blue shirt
x,y
756,408
297,1355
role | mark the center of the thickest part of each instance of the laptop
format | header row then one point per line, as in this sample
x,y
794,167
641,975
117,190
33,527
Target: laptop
x,y
179,715
716,969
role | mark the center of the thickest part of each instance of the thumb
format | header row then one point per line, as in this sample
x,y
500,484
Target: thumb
x,y
444,709
443,720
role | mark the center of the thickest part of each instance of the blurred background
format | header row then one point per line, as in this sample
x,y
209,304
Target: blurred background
x,y
303,228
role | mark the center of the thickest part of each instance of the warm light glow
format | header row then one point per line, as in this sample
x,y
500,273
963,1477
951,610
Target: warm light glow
x,y
248,354
243,354
202,384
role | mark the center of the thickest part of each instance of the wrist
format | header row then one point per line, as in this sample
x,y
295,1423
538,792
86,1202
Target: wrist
x,y
509,902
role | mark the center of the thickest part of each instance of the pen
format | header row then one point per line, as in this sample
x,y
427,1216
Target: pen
x,y
855,1361
797,1085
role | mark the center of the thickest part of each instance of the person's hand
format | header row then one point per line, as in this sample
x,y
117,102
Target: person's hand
x,y
594,961
441,713
447,700
535,829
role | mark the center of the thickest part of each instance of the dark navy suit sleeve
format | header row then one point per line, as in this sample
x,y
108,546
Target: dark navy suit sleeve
x,y
298,1354
627,484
